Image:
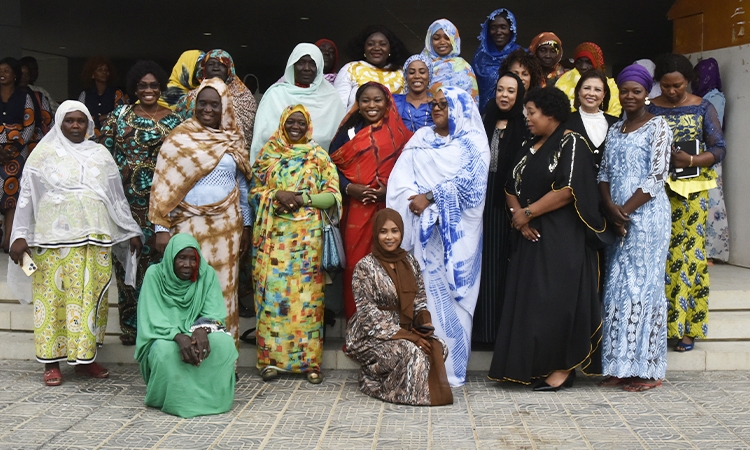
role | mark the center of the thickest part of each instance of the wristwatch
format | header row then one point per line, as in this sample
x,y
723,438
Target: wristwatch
x,y
430,197
527,211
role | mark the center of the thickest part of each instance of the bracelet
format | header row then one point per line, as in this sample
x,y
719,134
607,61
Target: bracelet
x,y
346,189
691,161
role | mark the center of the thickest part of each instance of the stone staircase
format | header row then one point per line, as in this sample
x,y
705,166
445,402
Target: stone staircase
x,y
727,349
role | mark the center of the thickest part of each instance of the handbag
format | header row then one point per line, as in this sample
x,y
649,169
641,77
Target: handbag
x,y
334,259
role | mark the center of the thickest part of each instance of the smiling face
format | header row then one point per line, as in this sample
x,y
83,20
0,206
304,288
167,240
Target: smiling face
x,y
522,72
417,77
500,32
305,71
506,93
632,97
74,126
548,56
208,108
377,49
441,43
440,113
295,126
583,64
185,263
7,76
372,104
329,57
673,86
148,90
539,123
216,69
389,236
591,95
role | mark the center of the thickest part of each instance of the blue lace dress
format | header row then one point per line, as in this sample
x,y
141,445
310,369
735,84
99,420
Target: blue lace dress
x,y
634,331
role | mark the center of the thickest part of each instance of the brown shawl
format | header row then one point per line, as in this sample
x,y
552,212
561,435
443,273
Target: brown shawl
x,y
192,151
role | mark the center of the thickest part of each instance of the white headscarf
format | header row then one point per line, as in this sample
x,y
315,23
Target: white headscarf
x,y
651,67
320,98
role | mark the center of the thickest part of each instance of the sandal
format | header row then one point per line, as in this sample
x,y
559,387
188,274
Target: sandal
x,y
247,338
53,377
642,386
127,339
269,373
614,381
314,377
684,346
93,370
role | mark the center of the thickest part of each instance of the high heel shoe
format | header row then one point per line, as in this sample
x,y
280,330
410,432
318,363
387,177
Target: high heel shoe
x,y
542,385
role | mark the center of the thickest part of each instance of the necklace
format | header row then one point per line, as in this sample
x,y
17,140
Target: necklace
x,y
625,122
150,116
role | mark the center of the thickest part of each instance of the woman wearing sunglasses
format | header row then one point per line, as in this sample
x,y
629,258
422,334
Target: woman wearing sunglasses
x,y
438,185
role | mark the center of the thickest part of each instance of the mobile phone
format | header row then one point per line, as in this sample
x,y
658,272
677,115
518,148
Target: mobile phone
x,y
424,328
27,265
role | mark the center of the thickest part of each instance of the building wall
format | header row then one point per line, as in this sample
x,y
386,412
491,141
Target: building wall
x,y
734,64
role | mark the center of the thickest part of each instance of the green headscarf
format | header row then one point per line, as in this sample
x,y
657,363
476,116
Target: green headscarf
x,y
168,305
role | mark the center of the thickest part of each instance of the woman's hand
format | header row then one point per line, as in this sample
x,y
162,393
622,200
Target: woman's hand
x,y
17,250
136,245
245,241
357,191
424,345
616,214
530,233
288,201
187,349
519,218
162,239
620,230
375,195
424,335
680,159
202,347
418,204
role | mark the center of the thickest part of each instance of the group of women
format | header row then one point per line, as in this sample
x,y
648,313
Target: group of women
x,y
428,164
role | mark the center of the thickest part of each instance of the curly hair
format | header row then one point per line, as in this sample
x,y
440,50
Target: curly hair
x,y
93,63
15,66
143,68
527,60
399,52
673,62
593,73
551,101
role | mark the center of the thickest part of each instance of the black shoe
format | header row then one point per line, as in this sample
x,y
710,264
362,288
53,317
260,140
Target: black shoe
x,y
542,385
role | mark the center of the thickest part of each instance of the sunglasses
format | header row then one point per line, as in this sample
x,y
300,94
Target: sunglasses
x,y
143,86
441,105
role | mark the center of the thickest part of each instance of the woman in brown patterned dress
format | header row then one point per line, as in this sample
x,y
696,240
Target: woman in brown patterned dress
x,y
391,333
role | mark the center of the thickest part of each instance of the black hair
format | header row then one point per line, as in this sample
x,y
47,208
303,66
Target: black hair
x,y
399,52
593,73
529,61
143,68
673,62
15,66
356,118
551,101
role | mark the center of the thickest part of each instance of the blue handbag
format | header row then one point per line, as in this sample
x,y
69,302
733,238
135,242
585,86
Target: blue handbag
x,y
334,259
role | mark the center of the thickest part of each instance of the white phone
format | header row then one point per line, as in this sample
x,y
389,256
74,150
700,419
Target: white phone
x,y
27,265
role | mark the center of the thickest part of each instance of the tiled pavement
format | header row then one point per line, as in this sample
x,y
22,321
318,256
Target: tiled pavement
x,y
692,410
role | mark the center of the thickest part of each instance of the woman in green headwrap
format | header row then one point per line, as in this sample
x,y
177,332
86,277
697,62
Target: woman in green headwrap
x,y
187,358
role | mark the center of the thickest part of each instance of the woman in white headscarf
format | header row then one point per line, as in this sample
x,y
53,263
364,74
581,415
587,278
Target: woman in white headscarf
x,y
439,185
304,85
72,215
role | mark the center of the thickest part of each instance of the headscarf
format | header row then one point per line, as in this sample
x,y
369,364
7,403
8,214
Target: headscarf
x,y
320,99
451,69
546,38
183,78
591,51
708,79
192,151
418,57
243,101
637,73
279,145
320,42
402,273
168,305
488,58
651,67
515,132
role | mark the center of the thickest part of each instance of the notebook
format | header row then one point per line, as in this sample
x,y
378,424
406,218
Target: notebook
x,y
691,148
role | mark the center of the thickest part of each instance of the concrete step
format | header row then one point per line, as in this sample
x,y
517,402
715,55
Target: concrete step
x,y
706,355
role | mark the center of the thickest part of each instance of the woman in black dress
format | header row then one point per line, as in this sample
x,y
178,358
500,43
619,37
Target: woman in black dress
x,y
506,130
551,318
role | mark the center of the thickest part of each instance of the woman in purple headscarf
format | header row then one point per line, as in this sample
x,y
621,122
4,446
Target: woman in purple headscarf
x,y
631,180
707,84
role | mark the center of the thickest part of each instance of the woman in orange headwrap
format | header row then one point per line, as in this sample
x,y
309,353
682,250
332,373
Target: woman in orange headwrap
x,y
589,56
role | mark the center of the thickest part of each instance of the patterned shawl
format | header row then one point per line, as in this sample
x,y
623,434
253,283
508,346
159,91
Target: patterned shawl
x,y
183,78
449,70
243,100
190,152
708,77
488,58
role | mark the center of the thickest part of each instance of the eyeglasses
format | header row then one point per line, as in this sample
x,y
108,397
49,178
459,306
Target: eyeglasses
x,y
143,86
441,105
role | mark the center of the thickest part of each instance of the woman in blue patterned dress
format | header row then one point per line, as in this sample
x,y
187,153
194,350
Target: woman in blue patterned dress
x,y
631,180
134,134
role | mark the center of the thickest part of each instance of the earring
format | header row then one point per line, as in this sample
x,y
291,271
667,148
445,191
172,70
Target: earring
x,y
648,102
364,54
